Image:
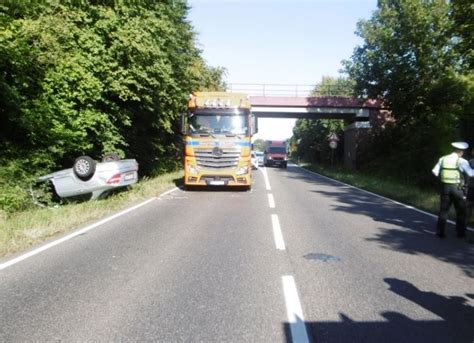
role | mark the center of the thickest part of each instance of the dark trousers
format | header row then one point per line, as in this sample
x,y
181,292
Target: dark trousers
x,y
452,194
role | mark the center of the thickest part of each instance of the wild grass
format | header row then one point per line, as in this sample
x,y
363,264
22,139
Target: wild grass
x,y
20,230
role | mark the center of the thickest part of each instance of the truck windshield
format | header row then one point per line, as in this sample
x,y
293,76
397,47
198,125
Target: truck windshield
x,y
277,150
218,124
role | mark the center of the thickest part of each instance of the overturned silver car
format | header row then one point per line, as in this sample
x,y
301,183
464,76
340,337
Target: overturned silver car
x,y
88,177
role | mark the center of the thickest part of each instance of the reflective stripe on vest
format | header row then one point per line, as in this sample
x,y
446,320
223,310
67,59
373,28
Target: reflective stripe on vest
x,y
450,170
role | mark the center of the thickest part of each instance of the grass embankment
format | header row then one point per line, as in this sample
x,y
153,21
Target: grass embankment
x,y
20,230
423,199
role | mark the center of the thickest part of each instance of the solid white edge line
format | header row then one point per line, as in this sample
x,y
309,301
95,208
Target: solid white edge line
x,y
294,311
265,177
271,201
78,232
277,235
380,196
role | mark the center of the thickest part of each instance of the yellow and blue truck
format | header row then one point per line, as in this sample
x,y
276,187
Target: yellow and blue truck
x,y
218,131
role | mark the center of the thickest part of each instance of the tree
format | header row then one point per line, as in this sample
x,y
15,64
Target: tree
x,y
94,77
259,145
330,86
410,58
310,136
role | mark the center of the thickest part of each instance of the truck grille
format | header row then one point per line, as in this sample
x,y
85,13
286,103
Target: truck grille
x,y
217,158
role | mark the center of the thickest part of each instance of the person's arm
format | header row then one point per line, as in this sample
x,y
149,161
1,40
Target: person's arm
x,y
466,168
436,168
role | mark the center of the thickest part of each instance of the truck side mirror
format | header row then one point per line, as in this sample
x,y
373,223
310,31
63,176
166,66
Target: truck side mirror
x,y
254,123
183,123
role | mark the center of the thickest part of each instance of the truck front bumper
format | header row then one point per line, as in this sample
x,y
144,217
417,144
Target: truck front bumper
x,y
212,179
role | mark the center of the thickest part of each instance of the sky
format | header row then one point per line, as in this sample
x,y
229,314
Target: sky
x,y
278,42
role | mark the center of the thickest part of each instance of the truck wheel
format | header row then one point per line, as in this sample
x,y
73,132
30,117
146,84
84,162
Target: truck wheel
x,y
84,167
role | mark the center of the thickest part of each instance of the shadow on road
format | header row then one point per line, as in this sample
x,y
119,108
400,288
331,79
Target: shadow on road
x,y
454,324
401,229
179,182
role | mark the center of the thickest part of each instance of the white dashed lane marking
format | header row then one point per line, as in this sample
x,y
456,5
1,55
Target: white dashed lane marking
x,y
271,201
277,235
294,310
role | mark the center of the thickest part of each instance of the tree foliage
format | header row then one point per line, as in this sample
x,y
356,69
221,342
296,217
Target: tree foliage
x,y
311,136
259,145
90,77
415,57
331,86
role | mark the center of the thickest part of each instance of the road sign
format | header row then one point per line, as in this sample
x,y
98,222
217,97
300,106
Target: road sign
x,y
333,137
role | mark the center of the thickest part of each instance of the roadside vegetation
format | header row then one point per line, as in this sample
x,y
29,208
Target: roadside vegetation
x,y
417,57
22,229
426,199
89,78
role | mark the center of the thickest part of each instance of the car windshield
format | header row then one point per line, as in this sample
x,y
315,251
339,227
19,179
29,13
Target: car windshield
x,y
218,124
277,150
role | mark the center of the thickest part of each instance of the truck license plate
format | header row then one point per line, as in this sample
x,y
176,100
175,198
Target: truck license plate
x,y
217,183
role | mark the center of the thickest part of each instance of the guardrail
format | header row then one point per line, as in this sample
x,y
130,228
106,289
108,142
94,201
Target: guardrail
x,y
290,90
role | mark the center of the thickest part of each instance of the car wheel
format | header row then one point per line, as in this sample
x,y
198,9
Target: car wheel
x,y
111,157
84,167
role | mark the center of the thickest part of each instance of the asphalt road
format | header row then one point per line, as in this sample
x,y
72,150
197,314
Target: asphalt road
x,y
299,258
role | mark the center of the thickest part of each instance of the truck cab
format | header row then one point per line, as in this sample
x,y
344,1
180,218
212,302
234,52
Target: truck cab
x,y
217,130
275,154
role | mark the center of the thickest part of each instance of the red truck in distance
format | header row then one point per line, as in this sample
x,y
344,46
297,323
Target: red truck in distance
x,y
275,154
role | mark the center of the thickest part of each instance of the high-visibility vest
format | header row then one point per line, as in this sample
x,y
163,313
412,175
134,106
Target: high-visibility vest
x,y
450,172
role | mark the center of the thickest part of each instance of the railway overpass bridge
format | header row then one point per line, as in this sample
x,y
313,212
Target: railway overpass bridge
x,y
359,115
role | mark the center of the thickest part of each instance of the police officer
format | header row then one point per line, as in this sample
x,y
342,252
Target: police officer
x,y
451,170
470,189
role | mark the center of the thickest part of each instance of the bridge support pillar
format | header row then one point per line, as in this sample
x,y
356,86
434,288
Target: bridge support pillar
x,y
355,135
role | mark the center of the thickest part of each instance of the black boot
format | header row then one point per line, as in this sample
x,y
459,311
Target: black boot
x,y
440,228
461,229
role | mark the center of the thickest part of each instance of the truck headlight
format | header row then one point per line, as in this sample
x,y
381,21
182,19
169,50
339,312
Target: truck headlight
x,y
242,170
269,158
192,169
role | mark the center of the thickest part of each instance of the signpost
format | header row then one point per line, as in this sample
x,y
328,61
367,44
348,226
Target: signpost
x,y
333,141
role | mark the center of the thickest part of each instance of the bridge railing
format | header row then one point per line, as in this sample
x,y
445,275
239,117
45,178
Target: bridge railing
x,y
287,90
